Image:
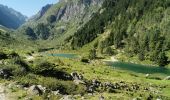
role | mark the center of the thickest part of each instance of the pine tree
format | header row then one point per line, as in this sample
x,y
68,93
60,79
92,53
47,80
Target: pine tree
x,y
162,59
92,54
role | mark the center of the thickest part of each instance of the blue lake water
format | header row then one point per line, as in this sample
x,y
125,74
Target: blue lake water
x,y
139,68
64,55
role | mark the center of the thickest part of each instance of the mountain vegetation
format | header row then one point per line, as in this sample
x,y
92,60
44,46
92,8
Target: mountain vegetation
x,y
139,28
59,21
11,18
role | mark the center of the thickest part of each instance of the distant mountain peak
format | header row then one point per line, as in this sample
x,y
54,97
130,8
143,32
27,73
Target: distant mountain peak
x,y
11,18
41,12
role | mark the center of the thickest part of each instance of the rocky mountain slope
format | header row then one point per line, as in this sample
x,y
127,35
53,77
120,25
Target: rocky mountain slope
x,y
11,18
60,20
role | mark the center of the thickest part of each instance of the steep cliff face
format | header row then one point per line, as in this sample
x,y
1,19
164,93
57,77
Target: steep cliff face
x,y
65,10
77,9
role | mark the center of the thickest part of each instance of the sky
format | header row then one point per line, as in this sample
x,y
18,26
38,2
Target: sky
x,y
27,7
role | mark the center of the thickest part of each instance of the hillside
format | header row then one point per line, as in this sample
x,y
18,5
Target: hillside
x,y
140,29
57,22
11,18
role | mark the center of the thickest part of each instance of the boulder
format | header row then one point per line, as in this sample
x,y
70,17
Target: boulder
x,y
147,75
167,78
101,97
76,76
1,62
96,83
108,84
43,89
67,97
56,92
79,82
90,89
35,90
137,98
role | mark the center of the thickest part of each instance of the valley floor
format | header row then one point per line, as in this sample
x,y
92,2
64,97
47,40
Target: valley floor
x,y
117,84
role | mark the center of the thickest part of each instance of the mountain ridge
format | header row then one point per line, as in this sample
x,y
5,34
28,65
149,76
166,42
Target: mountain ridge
x,y
11,18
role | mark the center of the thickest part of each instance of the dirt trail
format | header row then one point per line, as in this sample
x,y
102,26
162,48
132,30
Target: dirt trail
x,y
3,95
112,59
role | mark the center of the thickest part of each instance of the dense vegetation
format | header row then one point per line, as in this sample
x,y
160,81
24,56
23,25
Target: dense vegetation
x,y
139,27
11,18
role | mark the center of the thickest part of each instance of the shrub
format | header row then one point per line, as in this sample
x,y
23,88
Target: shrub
x,y
3,56
92,54
43,68
48,69
85,60
109,51
51,19
13,55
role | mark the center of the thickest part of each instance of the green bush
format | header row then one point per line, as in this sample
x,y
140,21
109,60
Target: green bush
x,y
3,56
51,18
92,54
43,68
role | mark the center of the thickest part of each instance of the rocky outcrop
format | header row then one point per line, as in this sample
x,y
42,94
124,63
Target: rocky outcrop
x,y
77,78
76,9
36,90
66,10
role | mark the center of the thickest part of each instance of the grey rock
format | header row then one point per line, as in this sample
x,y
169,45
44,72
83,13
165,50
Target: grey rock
x,y
67,97
167,78
35,90
56,92
90,94
76,76
147,75
96,83
43,89
101,97
90,89
79,82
